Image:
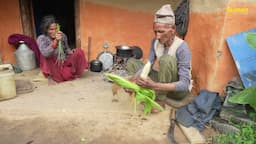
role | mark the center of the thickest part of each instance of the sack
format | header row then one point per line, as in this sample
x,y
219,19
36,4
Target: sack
x,y
204,107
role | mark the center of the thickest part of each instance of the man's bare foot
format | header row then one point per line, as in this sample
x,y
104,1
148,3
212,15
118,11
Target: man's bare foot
x,y
161,103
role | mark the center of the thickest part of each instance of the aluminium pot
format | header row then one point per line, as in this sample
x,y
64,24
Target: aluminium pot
x,y
96,66
25,57
124,51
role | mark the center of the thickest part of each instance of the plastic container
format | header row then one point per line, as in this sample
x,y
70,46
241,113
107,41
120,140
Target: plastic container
x,y
7,82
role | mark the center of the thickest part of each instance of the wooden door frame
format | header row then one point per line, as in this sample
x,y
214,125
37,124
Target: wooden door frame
x,y
77,23
27,18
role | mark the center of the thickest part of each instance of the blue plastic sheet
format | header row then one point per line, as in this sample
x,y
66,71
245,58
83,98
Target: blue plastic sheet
x,y
244,57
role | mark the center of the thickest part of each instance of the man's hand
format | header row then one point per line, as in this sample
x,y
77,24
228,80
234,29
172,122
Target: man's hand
x,y
147,83
133,79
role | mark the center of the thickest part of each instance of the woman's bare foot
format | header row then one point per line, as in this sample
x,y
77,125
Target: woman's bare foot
x,y
51,81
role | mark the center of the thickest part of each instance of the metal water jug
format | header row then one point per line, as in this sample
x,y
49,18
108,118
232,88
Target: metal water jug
x,y
25,57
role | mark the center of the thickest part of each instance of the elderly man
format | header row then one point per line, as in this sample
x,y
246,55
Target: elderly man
x,y
172,79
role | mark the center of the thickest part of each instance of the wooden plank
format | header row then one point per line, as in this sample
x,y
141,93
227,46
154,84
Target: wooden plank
x,y
192,134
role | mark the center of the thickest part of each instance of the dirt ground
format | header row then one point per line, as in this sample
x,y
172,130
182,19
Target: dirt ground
x,y
79,112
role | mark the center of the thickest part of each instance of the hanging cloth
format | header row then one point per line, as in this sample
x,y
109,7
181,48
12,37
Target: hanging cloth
x,y
182,18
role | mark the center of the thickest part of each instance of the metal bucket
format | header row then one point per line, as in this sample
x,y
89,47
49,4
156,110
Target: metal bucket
x,y
7,82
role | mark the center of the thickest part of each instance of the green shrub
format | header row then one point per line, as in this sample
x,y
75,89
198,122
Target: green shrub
x,y
246,136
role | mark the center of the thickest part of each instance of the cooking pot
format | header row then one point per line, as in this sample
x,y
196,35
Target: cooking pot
x,y
137,52
124,51
96,66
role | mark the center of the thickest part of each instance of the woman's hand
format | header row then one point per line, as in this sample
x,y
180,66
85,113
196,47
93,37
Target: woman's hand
x,y
147,83
72,51
58,36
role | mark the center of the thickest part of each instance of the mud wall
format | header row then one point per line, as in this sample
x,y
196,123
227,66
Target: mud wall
x,y
10,23
118,22
210,23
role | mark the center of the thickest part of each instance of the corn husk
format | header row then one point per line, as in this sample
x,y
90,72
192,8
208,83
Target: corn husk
x,y
142,95
145,70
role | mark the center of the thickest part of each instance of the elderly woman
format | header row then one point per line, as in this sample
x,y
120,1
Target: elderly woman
x,y
73,64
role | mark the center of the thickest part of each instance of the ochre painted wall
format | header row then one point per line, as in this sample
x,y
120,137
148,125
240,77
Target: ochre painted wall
x,y
114,25
235,22
213,65
118,22
203,38
9,23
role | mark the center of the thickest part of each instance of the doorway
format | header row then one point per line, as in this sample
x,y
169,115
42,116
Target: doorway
x,y
64,12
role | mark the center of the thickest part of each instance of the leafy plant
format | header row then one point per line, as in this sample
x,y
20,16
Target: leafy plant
x,y
247,96
247,135
142,95
252,115
61,54
251,39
